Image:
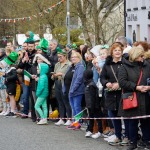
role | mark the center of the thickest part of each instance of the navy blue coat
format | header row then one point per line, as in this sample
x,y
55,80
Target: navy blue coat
x,y
77,84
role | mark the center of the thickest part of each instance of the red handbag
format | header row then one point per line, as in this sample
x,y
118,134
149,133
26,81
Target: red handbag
x,y
130,99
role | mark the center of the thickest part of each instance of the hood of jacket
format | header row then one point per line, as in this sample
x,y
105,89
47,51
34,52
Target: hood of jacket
x,y
109,60
88,76
135,63
44,68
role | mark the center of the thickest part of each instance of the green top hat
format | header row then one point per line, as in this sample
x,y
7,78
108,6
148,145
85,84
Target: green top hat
x,y
11,58
43,45
61,51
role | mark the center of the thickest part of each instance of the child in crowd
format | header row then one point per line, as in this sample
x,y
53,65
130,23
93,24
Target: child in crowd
x,y
42,93
100,60
10,80
6,106
93,104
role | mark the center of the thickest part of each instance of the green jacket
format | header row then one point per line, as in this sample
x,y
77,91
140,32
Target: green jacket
x,y
42,87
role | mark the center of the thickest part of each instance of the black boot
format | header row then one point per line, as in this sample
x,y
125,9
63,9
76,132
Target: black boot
x,y
147,145
132,147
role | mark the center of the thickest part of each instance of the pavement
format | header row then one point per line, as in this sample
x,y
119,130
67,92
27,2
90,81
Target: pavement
x,y
23,134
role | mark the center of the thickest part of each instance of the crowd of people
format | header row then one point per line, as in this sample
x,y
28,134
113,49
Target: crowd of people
x,y
68,79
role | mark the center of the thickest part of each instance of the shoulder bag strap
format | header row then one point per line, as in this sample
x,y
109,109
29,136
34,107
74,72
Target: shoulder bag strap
x,y
141,74
113,73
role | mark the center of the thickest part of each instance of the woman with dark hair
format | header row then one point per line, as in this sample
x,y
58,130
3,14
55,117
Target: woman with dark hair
x,y
84,50
142,44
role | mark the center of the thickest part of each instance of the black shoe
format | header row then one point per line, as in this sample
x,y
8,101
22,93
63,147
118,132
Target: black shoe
x,y
141,144
132,147
10,114
33,120
147,145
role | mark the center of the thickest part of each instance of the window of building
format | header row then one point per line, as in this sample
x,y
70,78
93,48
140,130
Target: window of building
x,y
130,31
128,4
149,33
143,2
138,33
135,4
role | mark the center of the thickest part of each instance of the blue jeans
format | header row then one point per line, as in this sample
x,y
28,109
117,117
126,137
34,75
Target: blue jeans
x,y
22,95
116,123
26,93
75,103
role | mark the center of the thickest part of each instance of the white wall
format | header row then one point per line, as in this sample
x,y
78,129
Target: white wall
x,y
142,24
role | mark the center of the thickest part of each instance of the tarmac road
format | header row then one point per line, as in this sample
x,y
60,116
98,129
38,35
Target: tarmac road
x,y
23,134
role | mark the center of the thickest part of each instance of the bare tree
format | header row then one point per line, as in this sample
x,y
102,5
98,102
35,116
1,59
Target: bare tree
x,y
90,14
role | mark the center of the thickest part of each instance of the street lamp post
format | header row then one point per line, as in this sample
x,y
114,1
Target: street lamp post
x,y
68,21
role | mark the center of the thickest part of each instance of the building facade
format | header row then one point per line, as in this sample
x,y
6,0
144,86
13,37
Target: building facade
x,y
138,20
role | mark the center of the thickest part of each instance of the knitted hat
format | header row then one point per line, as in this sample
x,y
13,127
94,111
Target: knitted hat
x,y
95,50
69,46
42,57
61,51
11,58
43,45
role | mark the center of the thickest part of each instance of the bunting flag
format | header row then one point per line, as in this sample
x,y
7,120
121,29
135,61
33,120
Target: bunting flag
x,y
14,20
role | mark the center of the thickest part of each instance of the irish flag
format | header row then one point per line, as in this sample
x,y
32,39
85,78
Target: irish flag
x,y
27,77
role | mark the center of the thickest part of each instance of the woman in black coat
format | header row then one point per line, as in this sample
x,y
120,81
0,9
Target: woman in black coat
x,y
109,80
129,75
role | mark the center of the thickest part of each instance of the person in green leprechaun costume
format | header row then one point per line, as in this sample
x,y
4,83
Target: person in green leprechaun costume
x,y
42,48
10,80
40,57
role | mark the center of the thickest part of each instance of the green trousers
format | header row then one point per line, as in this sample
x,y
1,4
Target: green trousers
x,y
41,102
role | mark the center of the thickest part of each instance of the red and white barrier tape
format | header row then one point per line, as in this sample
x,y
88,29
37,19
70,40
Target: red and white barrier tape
x,y
101,118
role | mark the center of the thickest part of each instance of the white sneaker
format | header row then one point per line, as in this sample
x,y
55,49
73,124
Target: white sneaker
x,y
2,113
110,138
6,113
88,134
42,121
60,122
96,135
68,123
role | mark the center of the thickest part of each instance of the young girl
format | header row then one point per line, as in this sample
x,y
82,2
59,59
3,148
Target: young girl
x,y
100,60
42,93
93,104
10,81
6,106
